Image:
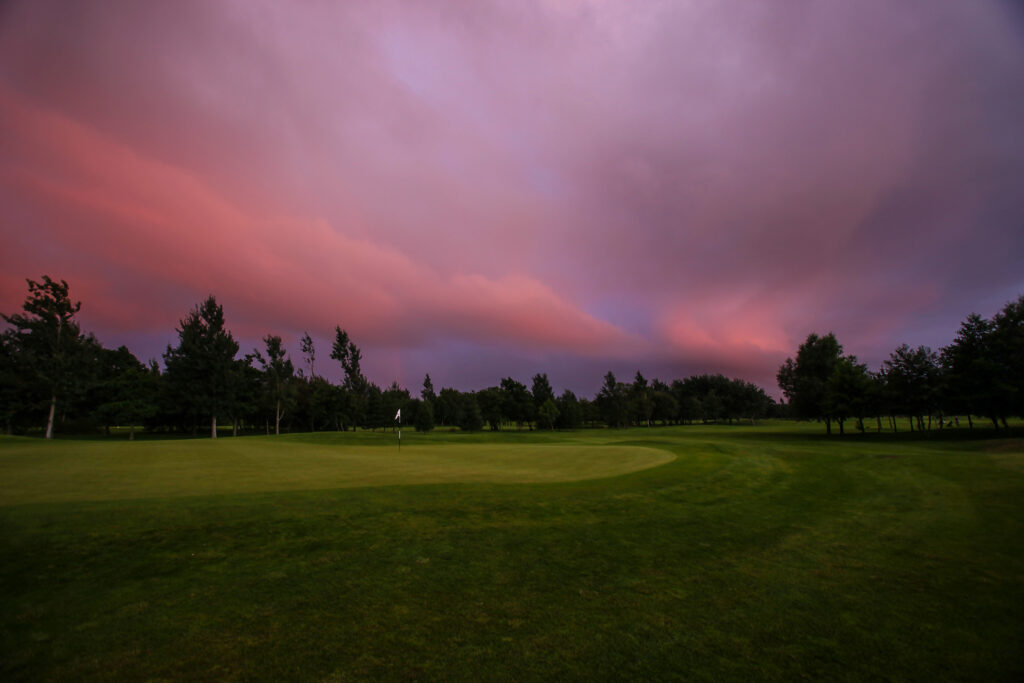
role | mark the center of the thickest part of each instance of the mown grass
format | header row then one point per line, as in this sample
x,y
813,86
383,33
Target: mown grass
x,y
766,552
32,470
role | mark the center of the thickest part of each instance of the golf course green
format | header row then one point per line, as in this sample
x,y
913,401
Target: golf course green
x,y
33,471
694,552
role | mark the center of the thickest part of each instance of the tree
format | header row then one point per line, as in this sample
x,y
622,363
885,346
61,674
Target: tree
x,y
202,368
352,396
970,370
611,400
750,401
128,390
848,391
541,391
424,420
712,406
804,381
278,373
664,406
427,393
48,340
308,353
570,412
491,401
376,414
316,404
642,407
547,414
517,402
469,417
912,377
1007,352
447,406
12,385
394,398
691,408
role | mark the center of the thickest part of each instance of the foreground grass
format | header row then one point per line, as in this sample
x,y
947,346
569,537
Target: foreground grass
x,y
768,553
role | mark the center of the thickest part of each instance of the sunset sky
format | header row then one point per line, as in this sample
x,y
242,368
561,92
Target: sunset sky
x,y
482,189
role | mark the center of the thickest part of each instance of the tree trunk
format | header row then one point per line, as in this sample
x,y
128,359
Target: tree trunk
x,y
878,418
234,427
841,432
213,426
860,424
53,410
828,426
895,429
277,418
131,432
970,422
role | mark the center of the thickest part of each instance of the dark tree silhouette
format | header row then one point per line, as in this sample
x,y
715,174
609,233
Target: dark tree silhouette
x,y
805,380
278,375
48,341
202,367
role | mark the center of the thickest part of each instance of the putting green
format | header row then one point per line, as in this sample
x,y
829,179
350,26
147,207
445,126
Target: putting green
x,y
34,471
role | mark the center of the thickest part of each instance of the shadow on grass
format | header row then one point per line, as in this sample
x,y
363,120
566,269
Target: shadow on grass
x,y
770,431
948,434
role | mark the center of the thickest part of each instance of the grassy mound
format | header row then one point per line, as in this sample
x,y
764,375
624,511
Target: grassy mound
x,y
33,471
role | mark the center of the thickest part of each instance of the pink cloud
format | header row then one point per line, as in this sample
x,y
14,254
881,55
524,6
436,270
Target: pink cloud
x,y
683,185
112,205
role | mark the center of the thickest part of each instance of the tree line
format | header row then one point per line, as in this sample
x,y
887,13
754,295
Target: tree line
x,y
980,374
54,374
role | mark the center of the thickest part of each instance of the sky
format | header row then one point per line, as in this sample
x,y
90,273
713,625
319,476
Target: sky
x,y
488,189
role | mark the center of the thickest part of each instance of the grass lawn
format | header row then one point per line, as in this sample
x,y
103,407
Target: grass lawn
x,y
703,553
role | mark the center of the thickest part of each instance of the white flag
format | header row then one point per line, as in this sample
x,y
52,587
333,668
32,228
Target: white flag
x,y
398,415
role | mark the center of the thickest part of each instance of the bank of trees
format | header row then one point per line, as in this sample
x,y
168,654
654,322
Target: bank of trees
x,y
54,376
981,373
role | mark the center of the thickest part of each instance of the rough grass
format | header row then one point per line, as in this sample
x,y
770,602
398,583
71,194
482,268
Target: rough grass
x,y
767,553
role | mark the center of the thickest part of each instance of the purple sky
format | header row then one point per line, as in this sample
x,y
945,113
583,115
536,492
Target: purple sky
x,y
479,189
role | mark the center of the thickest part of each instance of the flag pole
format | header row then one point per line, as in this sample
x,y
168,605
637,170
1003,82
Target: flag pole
x,y
398,416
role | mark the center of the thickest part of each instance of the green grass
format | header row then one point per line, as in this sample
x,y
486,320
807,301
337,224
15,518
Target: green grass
x,y
33,471
695,552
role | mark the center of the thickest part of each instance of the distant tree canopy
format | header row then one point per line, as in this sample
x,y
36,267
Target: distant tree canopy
x,y
54,377
980,373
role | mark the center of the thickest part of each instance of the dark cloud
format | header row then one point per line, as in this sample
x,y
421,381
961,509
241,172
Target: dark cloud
x,y
484,186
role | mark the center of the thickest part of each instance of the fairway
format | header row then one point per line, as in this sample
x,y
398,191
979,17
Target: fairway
x,y
699,553
32,471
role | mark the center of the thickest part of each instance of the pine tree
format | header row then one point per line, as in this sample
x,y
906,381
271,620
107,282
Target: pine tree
x,y
202,367
48,341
